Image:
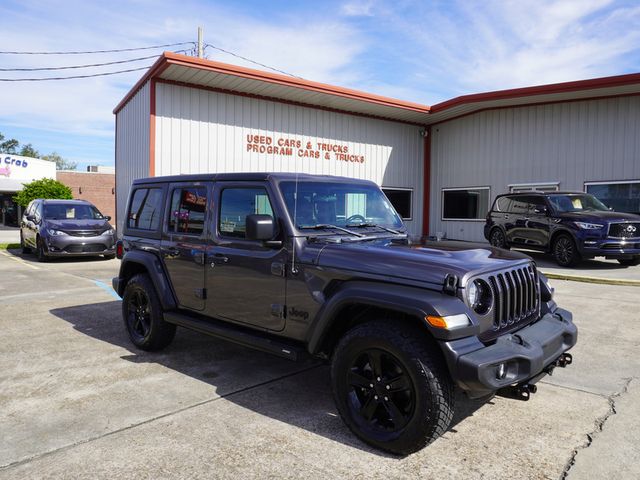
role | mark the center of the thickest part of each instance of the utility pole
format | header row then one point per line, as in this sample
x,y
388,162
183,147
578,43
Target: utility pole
x,y
200,46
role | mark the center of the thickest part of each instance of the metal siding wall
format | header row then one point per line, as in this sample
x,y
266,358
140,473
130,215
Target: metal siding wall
x,y
199,131
132,147
570,143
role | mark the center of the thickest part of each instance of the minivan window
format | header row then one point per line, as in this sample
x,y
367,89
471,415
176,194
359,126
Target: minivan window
x,y
70,211
188,210
146,209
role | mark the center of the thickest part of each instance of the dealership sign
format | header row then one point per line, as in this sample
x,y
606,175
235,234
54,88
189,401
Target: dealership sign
x,y
295,147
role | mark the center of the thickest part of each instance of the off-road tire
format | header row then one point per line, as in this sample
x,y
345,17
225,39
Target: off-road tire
x,y
41,255
24,248
419,357
143,316
629,262
498,239
565,251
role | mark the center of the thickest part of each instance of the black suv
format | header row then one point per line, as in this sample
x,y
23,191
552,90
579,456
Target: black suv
x,y
571,225
301,265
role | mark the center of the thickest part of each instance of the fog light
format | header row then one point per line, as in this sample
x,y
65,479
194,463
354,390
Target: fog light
x,y
501,371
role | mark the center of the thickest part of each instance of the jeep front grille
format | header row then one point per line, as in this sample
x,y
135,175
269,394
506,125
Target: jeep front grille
x,y
516,296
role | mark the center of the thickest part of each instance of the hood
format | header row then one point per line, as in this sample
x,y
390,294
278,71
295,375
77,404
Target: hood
x,y
93,224
423,262
600,216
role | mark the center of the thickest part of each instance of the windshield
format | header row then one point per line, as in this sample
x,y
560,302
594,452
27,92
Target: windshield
x,y
61,211
576,203
339,204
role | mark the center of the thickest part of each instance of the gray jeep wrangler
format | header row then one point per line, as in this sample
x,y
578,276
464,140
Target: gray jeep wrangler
x,y
301,265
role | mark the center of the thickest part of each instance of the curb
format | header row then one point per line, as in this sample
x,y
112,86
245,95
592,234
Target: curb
x,y
599,280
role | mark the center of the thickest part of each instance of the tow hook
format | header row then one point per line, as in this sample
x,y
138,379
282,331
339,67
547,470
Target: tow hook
x,y
564,360
521,391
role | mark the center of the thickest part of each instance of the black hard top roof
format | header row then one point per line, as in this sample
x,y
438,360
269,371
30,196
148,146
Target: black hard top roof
x,y
243,177
537,192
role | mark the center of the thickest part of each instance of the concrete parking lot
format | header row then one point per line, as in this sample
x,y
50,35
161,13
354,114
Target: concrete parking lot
x,y
78,401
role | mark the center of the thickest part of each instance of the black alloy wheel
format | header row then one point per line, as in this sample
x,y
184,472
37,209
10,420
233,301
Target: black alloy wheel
x,y
381,394
497,238
143,315
391,385
139,314
565,251
23,246
40,250
629,262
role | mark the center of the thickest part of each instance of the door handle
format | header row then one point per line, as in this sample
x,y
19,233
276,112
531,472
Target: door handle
x,y
506,217
171,252
219,259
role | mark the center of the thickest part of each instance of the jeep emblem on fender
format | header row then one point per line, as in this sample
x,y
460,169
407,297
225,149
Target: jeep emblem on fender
x,y
631,229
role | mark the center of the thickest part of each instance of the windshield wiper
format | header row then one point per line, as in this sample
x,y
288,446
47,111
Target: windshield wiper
x,y
321,226
387,229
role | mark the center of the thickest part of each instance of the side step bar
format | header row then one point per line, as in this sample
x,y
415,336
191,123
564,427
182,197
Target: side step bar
x,y
242,336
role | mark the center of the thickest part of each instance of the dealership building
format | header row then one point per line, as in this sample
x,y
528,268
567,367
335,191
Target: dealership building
x,y
441,166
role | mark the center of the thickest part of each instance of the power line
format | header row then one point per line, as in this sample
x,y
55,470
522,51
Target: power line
x,y
72,77
99,51
252,61
38,69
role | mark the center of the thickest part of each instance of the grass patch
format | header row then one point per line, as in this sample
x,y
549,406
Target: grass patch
x,y
7,246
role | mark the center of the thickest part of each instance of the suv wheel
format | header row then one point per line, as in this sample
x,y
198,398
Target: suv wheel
x,y
565,251
629,262
41,255
143,316
498,239
391,388
23,246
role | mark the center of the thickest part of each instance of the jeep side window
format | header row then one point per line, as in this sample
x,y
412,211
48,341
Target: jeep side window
x,y
188,210
146,209
236,204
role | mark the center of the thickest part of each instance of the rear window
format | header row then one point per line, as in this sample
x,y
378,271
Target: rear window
x,y
146,209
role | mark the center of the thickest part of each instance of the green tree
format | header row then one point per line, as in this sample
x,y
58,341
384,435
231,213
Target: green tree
x,y
44,188
61,163
8,146
28,151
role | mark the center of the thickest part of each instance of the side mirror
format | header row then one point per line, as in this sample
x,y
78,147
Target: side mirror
x,y
107,218
260,227
31,218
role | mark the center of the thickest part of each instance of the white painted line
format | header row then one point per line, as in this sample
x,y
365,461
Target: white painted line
x,y
19,260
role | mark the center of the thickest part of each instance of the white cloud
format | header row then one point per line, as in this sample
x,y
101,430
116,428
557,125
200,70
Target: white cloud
x,y
358,8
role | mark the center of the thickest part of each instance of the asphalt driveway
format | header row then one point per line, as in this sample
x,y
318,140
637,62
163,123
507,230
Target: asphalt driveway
x,y
78,401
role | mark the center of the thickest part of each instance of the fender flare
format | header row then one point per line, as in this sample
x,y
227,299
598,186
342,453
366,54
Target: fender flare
x,y
413,301
157,273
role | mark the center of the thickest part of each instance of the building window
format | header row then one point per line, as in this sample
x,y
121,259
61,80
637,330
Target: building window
x,y
534,187
188,208
401,199
465,203
621,196
146,209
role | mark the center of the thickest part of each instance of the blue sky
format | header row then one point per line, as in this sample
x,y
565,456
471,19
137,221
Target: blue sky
x,y
423,51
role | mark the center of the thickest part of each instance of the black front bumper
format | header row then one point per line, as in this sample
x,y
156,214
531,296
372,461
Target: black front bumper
x,y
525,354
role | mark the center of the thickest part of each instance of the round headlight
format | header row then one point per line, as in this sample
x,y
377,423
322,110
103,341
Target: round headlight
x,y
479,296
472,295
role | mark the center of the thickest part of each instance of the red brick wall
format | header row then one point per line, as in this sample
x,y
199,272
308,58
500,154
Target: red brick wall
x,y
96,188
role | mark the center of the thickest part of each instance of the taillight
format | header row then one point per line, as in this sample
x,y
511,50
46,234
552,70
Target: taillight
x,y
119,249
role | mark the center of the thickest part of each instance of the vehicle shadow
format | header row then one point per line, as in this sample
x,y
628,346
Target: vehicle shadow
x,y
31,257
298,394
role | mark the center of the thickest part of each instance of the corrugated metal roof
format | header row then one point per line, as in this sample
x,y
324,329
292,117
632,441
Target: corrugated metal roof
x,y
196,72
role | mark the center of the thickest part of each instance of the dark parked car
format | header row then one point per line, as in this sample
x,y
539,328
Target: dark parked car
x,y
322,266
61,228
571,225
